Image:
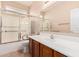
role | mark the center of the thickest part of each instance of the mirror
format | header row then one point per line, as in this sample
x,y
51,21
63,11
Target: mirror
x,y
74,21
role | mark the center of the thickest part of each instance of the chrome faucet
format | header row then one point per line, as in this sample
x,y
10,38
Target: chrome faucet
x,y
51,36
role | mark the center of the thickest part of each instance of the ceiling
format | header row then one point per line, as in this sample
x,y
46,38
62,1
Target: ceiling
x,y
36,6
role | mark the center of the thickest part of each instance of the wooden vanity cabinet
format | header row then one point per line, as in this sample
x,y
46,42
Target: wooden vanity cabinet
x,y
37,49
45,51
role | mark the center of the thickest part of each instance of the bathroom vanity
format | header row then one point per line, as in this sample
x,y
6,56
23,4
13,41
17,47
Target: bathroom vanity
x,y
37,49
60,46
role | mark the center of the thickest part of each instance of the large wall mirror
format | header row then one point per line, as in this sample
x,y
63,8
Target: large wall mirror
x,y
74,21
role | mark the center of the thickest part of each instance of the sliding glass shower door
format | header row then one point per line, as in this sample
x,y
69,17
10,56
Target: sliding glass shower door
x,y
13,27
10,24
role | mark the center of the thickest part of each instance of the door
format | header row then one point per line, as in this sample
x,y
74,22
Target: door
x,y
45,51
30,47
36,49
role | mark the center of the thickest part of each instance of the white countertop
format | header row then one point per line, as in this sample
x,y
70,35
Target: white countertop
x,y
67,45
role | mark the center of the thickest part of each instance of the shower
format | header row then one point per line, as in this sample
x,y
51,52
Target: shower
x,y
14,25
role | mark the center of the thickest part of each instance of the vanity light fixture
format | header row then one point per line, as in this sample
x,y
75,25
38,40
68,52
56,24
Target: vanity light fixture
x,y
47,4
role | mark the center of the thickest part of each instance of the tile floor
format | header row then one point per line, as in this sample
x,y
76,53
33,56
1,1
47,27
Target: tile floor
x,y
16,54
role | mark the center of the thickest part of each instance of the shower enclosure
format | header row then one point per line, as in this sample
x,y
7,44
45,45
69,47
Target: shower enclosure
x,y
13,26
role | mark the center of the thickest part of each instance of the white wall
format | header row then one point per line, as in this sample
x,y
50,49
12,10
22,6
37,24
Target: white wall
x,y
59,15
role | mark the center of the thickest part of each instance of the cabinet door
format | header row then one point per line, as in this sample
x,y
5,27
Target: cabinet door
x,y
57,54
45,51
35,49
30,47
